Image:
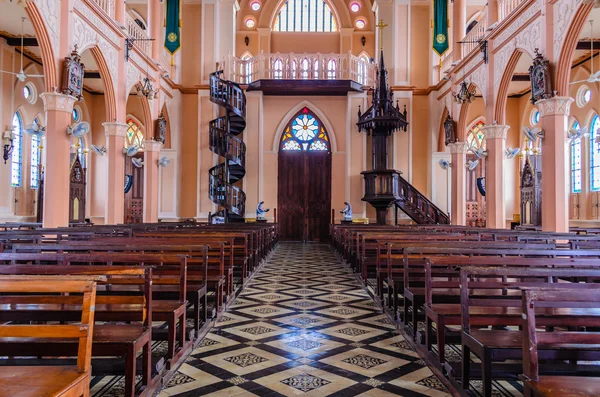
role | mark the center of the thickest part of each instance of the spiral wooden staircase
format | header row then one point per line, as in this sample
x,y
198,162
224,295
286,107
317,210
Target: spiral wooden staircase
x,y
224,141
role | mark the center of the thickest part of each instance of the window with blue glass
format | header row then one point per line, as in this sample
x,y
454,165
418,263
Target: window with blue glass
x,y
305,132
34,174
576,171
594,156
17,153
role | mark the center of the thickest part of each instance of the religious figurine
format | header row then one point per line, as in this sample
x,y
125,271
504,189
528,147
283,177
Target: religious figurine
x,y
347,212
260,211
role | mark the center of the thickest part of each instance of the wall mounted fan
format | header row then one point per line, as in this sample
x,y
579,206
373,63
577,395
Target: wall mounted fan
x,y
78,129
472,164
35,129
131,150
164,162
575,133
533,133
100,150
445,164
137,162
480,153
511,153
21,75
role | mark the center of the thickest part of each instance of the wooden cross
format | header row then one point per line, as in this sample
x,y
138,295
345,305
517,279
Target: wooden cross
x,y
381,25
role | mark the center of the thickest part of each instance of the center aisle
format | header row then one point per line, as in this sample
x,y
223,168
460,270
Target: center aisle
x,y
304,326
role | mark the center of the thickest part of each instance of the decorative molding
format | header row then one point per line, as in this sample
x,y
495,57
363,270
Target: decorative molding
x,y
458,147
55,101
495,131
49,9
115,129
134,75
564,12
517,25
559,106
96,21
479,78
152,146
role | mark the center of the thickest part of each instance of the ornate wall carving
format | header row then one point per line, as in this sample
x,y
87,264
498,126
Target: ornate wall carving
x,y
479,78
98,23
564,12
459,147
134,75
555,106
49,9
495,131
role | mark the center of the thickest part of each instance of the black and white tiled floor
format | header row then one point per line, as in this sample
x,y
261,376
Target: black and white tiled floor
x,y
304,327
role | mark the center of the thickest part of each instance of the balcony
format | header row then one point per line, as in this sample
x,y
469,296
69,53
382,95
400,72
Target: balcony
x,y
305,66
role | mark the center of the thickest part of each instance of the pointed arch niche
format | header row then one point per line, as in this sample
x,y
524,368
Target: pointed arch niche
x,y
304,178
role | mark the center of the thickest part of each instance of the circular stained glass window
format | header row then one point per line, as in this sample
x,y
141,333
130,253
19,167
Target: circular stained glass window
x,y
305,132
255,6
355,7
27,92
250,22
360,24
305,127
30,93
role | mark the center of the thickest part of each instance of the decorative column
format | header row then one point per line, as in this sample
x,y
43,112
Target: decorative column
x,y
59,113
492,12
151,155
495,138
458,208
459,22
554,115
115,202
120,11
225,27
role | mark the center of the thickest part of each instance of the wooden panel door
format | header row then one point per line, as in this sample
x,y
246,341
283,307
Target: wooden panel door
x,y
134,199
304,196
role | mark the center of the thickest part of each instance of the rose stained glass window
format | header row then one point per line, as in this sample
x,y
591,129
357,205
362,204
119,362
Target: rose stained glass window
x,y
305,132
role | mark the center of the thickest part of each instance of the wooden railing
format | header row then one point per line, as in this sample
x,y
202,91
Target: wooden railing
x,y
108,6
471,39
139,35
300,67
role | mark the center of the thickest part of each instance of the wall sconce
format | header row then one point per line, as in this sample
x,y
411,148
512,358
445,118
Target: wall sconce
x,y
363,40
7,146
247,40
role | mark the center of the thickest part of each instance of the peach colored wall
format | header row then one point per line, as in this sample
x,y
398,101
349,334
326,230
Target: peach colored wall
x,y
188,155
98,168
420,144
191,45
419,59
301,42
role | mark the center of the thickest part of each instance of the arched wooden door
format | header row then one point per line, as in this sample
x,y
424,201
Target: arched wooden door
x,y
304,181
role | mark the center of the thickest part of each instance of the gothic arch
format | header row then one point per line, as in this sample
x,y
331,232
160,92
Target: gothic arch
x,y
292,112
44,42
110,98
462,125
563,64
502,95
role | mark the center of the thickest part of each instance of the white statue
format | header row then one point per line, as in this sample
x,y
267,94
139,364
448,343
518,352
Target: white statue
x,y
347,212
260,211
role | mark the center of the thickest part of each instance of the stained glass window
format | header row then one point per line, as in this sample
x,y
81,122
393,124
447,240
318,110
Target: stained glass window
x,y
305,16
305,132
576,163
134,135
34,172
594,156
476,137
362,69
17,153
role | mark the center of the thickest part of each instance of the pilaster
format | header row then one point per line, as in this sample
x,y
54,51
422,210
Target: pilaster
x,y
495,137
264,40
151,191
59,109
554,115
114,211
458,207
459,23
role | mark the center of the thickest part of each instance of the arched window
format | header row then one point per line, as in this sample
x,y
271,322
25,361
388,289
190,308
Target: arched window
x,y
16,162
594,156
475,137
34,168
134,135
305,16
278,69
246,68
331,69
362,68
305,132
576,162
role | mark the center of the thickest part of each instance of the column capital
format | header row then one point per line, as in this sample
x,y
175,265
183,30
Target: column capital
x,y
55,101
458,147
495,131
115,129
559,105
152,145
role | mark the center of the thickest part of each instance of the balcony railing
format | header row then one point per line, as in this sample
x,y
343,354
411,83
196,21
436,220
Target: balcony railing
x,y
165,60
300,67
472,38
445,63
140,36
108,6
505,7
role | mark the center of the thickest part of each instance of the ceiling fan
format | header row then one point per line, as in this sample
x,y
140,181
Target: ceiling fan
x,y
21,75
594,77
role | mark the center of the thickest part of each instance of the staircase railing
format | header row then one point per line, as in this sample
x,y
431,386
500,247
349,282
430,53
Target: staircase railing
x,y
418,207
224,141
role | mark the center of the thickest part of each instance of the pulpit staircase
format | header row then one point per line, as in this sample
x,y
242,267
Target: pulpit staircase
x,y
414,204
224,141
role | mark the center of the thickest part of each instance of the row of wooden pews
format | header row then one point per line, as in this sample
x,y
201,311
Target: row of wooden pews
x,y
156,286
488,305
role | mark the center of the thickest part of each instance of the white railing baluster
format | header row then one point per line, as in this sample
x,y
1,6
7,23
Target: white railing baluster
x,y
471,39
136,32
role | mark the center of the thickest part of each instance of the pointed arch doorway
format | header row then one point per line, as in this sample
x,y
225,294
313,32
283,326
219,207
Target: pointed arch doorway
x,y
304,179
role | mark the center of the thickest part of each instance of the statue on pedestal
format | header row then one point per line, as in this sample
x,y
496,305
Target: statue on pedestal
x,y
260,211
347,212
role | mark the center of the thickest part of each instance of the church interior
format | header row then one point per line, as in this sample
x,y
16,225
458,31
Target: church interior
x,y
300,197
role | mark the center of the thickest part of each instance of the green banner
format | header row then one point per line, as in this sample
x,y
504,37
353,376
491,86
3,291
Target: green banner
x,y
173,25
440,26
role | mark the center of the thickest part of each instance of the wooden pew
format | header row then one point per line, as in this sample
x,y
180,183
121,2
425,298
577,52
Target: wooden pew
x,y
63,381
